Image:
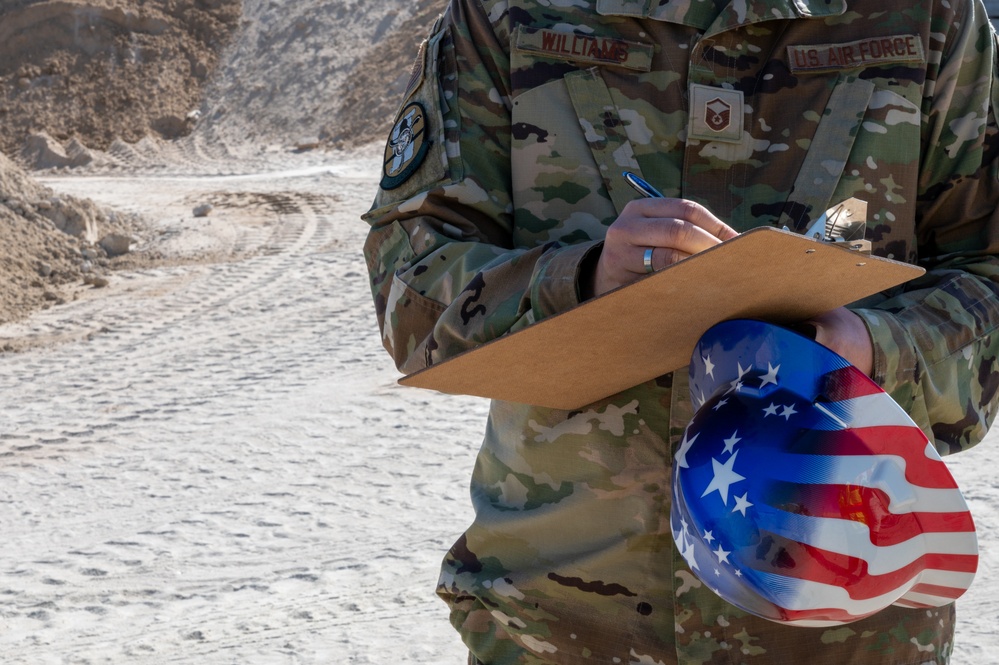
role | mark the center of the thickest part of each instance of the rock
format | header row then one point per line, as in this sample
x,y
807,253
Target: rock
x,y
203,210
45,269
115,244
170,126
96,281
76,217
17,205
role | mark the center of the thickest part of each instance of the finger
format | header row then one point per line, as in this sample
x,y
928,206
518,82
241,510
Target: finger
x,y
670,233
685,211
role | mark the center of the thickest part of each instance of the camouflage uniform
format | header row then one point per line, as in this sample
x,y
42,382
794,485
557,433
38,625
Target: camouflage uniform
x,y
504,171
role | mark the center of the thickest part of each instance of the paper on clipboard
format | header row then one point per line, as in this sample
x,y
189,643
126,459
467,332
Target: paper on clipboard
x,y
649,328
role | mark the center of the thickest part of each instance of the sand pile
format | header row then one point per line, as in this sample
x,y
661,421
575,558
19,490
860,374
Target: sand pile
x,y
54,245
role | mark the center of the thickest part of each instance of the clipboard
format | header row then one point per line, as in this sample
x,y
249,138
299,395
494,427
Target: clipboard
x,y
648,328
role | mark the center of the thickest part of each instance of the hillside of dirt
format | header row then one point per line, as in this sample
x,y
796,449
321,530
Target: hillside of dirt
x,y
98,70
173,85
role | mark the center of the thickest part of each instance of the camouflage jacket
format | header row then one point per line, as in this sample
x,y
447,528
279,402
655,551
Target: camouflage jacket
x,y
502,173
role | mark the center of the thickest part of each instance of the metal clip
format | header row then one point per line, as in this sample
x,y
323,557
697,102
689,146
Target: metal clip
x,y
843,223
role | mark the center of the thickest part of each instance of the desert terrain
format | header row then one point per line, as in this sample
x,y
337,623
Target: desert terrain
x,y
204,454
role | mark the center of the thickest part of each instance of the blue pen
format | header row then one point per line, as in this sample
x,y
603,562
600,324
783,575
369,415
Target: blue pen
x,y
642,187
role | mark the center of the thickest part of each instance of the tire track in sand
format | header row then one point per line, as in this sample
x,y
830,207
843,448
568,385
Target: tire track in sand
x,y
225,472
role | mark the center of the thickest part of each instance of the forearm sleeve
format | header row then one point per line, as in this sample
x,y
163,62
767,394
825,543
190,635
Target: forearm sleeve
x,y
446,270
936,344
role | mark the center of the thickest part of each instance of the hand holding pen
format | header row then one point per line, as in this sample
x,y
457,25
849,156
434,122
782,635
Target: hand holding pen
x,y
650,234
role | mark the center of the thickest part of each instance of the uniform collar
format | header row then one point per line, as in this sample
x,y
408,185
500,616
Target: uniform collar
x,y
705,14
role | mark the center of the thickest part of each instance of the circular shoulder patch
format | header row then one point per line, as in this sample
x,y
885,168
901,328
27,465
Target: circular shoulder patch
x,y
407,146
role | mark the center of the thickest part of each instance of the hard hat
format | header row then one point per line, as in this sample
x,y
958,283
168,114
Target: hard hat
x,y
802,493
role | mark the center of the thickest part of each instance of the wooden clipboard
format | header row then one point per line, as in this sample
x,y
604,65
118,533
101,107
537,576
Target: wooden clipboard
x,y
649,328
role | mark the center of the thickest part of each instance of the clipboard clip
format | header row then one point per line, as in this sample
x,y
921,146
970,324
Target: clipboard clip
x,y
843,223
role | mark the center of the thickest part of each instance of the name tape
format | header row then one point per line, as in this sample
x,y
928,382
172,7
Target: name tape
x,y
586,48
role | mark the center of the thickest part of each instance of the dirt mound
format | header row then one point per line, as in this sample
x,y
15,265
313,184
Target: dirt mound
x,y
85,80
54,245
370,94
325,74
96,70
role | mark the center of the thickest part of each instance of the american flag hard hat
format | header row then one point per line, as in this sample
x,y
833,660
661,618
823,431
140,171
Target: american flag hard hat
x,y
803,493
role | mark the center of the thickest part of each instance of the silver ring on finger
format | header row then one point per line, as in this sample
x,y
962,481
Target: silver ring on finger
x,y
647,260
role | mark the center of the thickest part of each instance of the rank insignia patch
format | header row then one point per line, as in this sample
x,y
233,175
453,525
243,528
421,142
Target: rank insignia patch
x,y
717,114
407,146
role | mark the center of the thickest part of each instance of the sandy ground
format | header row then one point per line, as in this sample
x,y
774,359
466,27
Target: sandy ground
x,y
213,463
